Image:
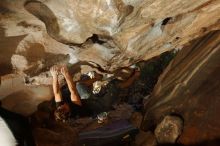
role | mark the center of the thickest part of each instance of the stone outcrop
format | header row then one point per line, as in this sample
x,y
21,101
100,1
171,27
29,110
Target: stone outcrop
x,y
190,88
109,33
105,35
17,97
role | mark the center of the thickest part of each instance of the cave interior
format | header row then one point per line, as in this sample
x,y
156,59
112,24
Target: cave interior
x,y
173,46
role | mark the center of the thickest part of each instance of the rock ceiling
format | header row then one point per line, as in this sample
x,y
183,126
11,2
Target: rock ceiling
x,y
108,34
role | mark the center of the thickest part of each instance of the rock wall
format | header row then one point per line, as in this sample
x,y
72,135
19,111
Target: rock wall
x,y
102,34
190,88
110,33
19,98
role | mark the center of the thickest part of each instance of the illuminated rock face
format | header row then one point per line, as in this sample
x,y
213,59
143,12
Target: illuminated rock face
x,y
109,33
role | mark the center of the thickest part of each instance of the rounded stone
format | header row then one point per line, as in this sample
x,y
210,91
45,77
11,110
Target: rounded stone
x,y
169,129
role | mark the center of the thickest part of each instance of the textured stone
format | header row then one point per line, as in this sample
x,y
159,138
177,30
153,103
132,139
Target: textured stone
x,y
102,34
169,130
80,19
190,87
136,119
57,135
19,98
110,33
145,139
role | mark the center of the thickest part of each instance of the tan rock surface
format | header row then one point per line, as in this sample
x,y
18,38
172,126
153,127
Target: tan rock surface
x,y
126,31
190,88
19,98
109,34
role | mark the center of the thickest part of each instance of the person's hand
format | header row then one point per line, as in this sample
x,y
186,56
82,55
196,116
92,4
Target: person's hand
x,y
54,71
91,74
64,71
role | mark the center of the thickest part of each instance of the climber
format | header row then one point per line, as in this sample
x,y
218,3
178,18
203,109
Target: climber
x,y
63,109
82,100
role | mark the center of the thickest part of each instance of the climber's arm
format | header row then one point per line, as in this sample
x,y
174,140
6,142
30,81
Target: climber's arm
x,y
56,87
71,85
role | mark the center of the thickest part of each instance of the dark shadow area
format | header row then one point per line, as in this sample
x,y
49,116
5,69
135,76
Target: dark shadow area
x,y
215,142
150,72
19,126
166,20
4,10
95,39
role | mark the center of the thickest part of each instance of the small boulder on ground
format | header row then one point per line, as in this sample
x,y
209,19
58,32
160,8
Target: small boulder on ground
x,y
169,130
